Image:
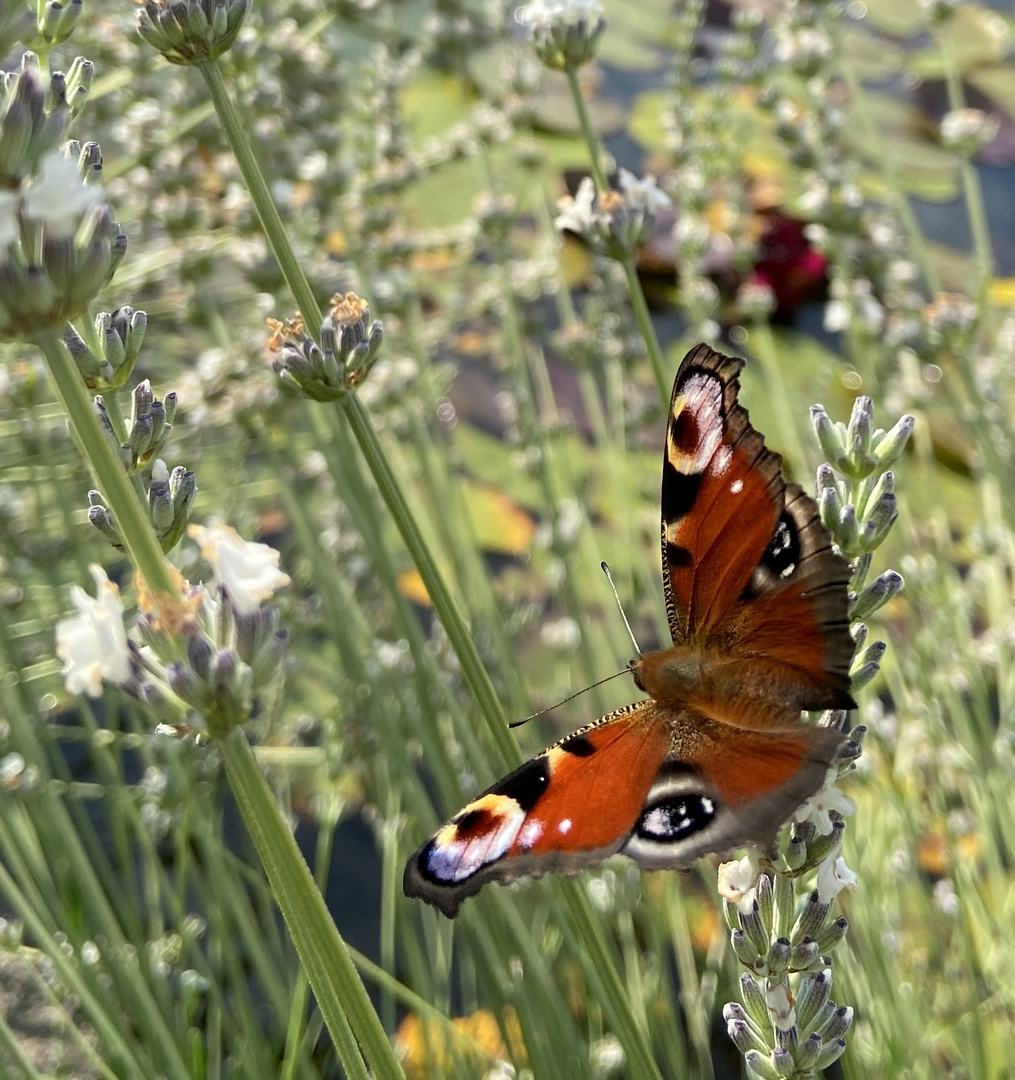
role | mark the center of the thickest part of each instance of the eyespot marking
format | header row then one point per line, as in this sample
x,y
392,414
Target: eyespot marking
x,y
472,822
675,817
696,423
783,551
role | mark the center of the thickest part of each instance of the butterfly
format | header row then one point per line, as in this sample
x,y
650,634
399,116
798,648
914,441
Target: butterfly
x,y
717,756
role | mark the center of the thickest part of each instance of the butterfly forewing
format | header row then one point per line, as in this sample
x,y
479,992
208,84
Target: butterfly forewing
x,y
570,806
747,563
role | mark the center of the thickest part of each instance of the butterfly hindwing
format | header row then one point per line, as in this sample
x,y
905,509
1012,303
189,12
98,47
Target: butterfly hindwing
x,y
715,793
569,807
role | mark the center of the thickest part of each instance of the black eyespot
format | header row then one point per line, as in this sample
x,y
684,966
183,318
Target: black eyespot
x,y
578,745
675,818
527,784
783,551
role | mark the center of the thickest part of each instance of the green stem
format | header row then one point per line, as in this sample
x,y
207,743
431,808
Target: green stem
x,y
278,240
339,991
634,291
264,204
591,140
447,611
647,330
609,990
971,190
131,519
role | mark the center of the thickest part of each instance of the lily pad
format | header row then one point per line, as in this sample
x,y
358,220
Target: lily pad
x,y
645,123
493,69
973,36
872,57
998,83
635,32
434,102
886,136
899,18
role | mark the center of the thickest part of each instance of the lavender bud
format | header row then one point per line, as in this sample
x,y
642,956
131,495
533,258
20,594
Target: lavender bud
x,y
804,954
837,1024
760,1065
830,935
810,918
754,1001
743,947
830,1052
199,655
875,595
890,446
779,954
812,995
807,1052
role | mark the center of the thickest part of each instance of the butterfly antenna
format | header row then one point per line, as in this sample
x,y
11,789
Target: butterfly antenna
x,y
620,606
550,708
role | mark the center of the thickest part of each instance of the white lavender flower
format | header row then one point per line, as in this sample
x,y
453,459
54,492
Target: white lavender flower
x,y
93,643
247,572
614,223
738,881
645,195
967,130
821,805
834,876
565,33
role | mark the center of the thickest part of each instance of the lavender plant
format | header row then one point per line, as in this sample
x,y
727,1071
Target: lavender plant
x,y
779,909
275,160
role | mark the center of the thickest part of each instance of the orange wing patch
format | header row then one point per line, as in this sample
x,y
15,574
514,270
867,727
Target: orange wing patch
x,y
571,806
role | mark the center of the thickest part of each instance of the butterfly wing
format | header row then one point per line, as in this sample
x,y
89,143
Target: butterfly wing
x,y
569,807
718,757
716,792
747,564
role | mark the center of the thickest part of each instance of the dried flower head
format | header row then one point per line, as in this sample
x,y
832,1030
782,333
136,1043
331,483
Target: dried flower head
x,y
191,31
349,346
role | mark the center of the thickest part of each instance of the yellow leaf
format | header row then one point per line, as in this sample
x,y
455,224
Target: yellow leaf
x,y
499,523
410,585
1002,292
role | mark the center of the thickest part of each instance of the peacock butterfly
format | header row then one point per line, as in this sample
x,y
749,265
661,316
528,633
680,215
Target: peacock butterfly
x,y
717,756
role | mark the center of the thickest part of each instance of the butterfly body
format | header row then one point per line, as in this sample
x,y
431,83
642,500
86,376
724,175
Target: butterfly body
x,y
717,756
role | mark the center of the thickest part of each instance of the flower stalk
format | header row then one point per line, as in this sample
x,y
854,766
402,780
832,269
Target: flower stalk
x,y
778,908
133,526
636,295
